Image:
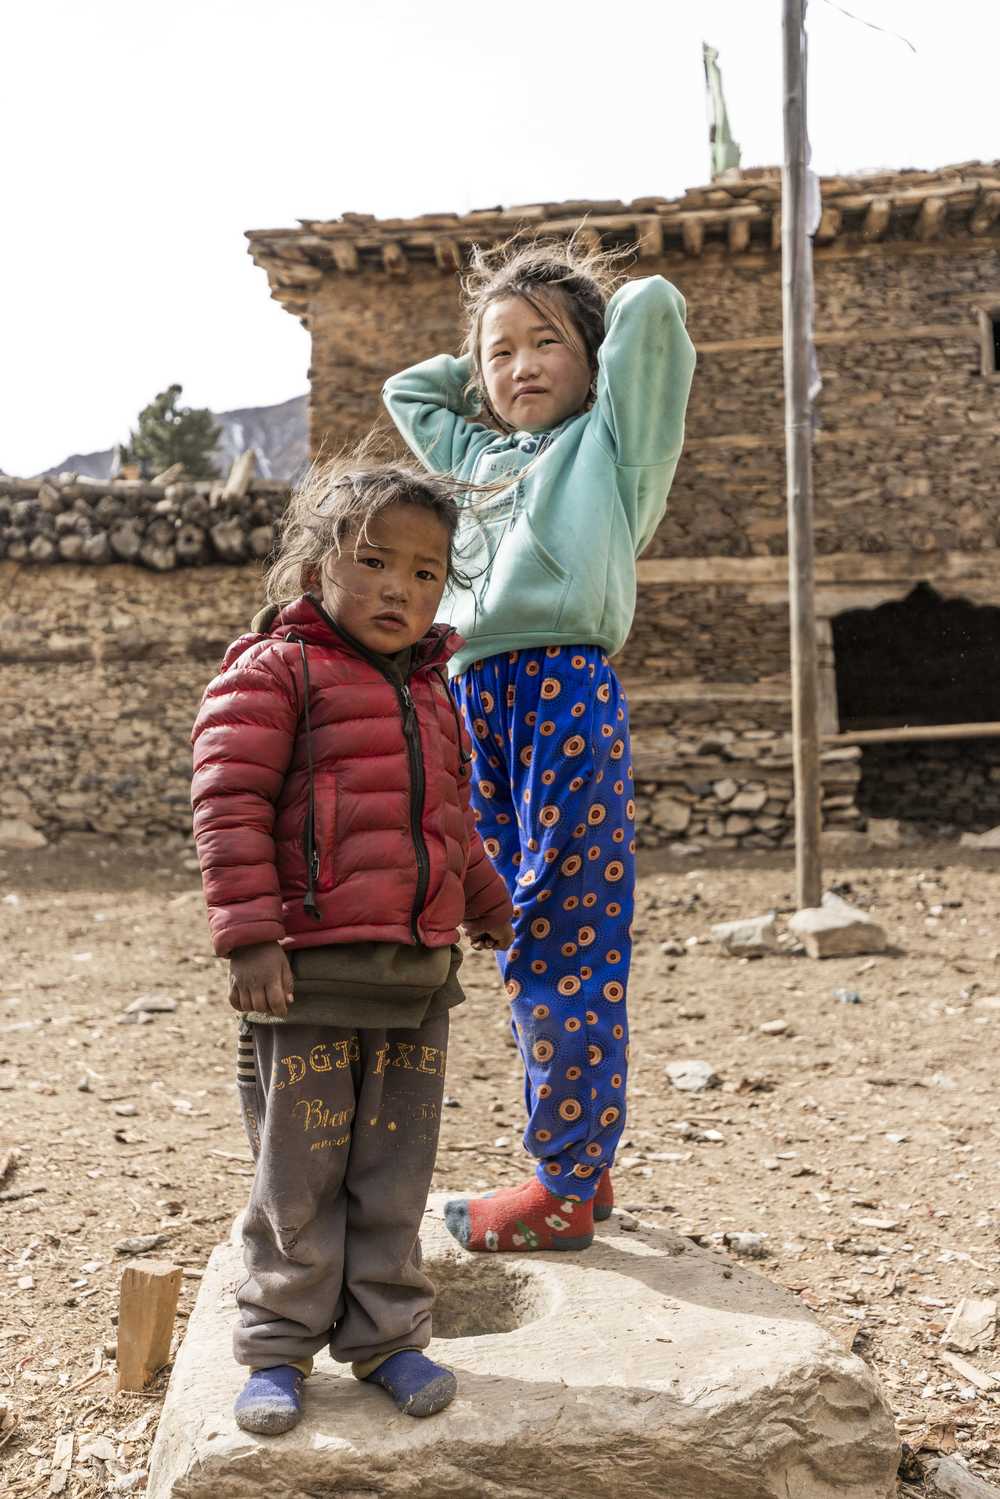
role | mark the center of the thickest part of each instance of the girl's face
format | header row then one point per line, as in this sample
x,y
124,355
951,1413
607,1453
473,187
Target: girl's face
x,y
536,371
385,588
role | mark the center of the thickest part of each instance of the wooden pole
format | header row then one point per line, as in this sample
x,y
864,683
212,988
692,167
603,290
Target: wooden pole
x,y
799,359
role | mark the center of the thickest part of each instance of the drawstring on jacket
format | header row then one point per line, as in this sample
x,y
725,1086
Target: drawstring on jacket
x,y
312,852
464,755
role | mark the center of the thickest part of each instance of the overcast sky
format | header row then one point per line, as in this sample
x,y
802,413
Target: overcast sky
x,y
142,139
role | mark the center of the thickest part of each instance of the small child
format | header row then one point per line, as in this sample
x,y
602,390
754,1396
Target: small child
x,y
579,397
339,856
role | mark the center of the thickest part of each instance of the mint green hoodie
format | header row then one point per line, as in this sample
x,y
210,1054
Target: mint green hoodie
x,y
552,557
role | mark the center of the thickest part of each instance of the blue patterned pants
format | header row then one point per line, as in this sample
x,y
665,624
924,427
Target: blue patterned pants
x,y
552,791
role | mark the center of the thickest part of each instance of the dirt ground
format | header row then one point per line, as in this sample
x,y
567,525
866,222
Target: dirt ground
x,y
862,1140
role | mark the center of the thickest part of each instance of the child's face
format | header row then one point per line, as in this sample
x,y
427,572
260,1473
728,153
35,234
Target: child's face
x,y
385,588
536,371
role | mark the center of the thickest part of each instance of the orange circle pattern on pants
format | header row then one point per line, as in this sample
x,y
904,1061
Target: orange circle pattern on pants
x,y
557,820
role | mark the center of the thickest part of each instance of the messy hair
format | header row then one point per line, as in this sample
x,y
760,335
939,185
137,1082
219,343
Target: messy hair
x,y
568,283
338,499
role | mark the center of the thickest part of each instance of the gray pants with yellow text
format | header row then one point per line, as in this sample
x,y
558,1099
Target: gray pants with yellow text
x,y
343,1125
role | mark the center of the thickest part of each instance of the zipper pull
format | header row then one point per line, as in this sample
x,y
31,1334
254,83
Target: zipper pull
x,y
410,716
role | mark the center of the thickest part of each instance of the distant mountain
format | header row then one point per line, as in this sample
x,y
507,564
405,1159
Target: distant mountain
x,y
277,433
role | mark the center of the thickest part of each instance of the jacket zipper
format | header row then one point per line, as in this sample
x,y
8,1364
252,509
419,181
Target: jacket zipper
x,y
418,787
414,755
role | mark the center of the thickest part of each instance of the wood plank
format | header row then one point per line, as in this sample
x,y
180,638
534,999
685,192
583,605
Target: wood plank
x,y
866,334
834,567
692,690
916,734
873,432
147,1306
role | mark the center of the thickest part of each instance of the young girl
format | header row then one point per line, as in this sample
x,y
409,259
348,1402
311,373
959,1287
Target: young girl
x,y
339,856
579,397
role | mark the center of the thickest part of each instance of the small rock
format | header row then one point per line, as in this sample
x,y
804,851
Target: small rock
x,y
101,1447
750,937
847,997
673,949
152,1004
15,833
885,832
972,1325
140,1244
747,1246
125,1110
988,840
628,1225
774,1028
947,1478
450,1103
691,1077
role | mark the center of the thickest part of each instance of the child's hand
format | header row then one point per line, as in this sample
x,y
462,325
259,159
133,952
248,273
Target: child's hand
x,y
489,938
260,979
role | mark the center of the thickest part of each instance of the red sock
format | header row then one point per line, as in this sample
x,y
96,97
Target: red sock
x,y
520,1219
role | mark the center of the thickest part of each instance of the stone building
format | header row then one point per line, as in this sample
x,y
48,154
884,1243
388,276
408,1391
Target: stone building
x,y
907,269
118,597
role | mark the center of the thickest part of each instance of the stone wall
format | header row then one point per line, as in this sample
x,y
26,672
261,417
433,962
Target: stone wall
x,y
943,786
102,671
160,526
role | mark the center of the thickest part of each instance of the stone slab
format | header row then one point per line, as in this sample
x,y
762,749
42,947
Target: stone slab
x,y
643,1368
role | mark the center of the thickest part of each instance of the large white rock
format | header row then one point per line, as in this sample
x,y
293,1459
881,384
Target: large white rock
x,y
836,930
643,1368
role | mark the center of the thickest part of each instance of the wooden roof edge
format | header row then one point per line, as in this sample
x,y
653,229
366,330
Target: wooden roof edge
x,y
743,212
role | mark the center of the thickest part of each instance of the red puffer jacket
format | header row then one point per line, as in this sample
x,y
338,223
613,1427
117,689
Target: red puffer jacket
x,y
330,803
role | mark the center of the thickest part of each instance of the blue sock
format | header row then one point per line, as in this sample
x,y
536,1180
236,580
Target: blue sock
x,y
271,1401
417,1385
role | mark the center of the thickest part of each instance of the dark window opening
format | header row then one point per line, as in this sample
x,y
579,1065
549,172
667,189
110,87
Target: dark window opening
x,y
922,660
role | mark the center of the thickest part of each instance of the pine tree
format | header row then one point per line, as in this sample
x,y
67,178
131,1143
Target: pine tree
x,y
168,433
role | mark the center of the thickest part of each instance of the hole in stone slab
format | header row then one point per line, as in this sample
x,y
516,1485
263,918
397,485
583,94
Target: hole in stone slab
x,y
482,1297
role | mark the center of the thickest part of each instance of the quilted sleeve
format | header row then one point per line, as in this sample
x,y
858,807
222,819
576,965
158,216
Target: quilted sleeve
x,y
243,740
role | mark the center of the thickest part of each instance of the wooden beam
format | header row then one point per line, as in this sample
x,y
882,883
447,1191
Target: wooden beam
x,y
692,234
931,218
649,236
877,216
345,255
829,225
916,734
739,235
446,253
394,257
147,1306
985,213
938,568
